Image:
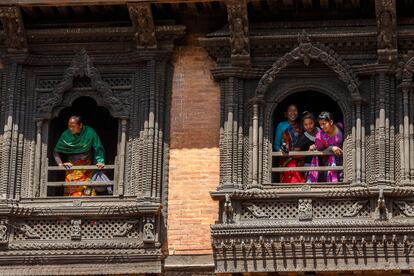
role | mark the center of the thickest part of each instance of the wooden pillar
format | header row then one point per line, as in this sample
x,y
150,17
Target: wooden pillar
x,y
358,140
121,158
255,143
38,159
406,134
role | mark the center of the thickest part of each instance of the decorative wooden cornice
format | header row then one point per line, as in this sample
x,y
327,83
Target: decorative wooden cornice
x,y
144,29
239,32
386,31
13,28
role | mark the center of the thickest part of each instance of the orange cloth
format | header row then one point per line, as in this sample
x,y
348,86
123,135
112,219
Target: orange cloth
x,y
78,176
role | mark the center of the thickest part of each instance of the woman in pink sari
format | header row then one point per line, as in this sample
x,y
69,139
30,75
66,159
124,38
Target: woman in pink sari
x,y
330,138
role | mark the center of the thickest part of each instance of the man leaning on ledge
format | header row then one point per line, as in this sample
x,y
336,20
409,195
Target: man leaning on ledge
x,y
80,146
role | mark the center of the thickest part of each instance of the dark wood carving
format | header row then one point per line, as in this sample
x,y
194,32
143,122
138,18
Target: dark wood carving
x,y
239,32
306,52
144,29
275,226
82,66
387,30
14,30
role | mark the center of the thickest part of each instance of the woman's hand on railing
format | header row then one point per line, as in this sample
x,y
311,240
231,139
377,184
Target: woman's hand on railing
x,y
312,147
66,165
100,166
337,150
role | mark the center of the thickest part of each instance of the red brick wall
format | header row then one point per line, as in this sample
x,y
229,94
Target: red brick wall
x,y
194,153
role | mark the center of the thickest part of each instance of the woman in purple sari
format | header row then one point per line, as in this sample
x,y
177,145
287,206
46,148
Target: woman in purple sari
x,y
330,138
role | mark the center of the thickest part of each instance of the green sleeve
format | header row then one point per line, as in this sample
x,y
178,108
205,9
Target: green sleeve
x,y
99,150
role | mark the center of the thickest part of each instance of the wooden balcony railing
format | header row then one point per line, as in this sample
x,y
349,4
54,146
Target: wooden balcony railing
x,y
85,183
303,154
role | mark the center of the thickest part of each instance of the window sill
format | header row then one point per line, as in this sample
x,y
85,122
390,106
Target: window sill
x,y
83,206
280,190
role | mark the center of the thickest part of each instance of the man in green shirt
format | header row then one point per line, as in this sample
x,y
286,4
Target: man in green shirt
x,y
80,146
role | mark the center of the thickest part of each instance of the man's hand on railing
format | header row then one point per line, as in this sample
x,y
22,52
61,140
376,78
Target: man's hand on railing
x,y
66,165
337,150
100,166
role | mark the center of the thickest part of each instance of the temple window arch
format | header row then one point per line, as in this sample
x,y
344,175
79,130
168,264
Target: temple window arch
x,y
81,91
94,116
312,101
331,76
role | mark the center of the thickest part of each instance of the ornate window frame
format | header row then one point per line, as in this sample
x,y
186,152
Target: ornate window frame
x,y
101,92
261,110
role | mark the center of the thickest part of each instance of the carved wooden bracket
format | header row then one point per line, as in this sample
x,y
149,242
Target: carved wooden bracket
x,y
386,31
239,32
144,29
14,30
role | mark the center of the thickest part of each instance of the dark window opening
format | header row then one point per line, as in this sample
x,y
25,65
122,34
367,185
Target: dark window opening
x,y
314,102
94,116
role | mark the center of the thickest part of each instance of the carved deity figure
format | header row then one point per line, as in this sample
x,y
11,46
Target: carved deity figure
x,y
13,28
239,40
76,229
80,146
148,232
386,34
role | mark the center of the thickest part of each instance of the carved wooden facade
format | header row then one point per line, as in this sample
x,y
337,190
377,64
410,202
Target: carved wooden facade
x,y
134,86
361,224
366,67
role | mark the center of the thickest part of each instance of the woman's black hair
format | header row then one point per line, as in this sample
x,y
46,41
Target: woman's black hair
x,y
289,105
307,115
326,116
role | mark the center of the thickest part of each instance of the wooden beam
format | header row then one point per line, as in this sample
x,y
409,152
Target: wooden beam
x,y
30,12
307,4
89,2
325,4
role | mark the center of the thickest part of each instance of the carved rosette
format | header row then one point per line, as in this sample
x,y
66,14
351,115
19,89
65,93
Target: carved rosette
x,y
386,30
13,28
239,32
144,29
